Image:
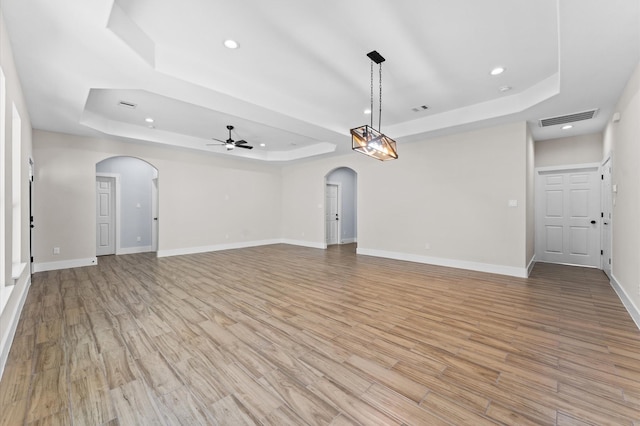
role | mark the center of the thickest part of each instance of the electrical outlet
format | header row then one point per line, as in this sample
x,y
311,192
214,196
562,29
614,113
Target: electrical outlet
x,y
138,238
56,250
427,246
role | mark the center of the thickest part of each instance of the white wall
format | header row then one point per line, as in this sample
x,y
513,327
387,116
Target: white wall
x,y
205,201
13,291
582,149
451,193
622,140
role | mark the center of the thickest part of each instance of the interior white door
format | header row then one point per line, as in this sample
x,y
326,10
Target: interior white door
x,y
105,216
568,217
607,207
332,218
154,214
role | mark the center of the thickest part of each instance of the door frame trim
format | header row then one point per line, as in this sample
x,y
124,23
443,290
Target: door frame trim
x,y
116,201
607,162
338,208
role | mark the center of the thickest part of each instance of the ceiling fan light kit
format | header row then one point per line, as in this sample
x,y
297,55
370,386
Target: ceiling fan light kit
x,y
230,144
367,140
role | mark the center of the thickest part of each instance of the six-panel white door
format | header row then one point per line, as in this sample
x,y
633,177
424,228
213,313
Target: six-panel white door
x,y
105,216
568,217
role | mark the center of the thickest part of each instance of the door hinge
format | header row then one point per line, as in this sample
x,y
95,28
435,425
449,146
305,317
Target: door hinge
x,y
601,252
31,259
609,261
601,214
601,177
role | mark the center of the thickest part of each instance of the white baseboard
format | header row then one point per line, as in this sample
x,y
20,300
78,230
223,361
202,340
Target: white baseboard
x,y
134,250
531,265
626,301
310,244
215,247
64,264
451,263
9,320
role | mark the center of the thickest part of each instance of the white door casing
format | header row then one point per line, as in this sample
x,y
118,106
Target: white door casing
x,y
332,210
607,216
105,216
568,216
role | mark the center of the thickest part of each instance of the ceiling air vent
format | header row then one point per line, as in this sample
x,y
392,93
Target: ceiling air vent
x,y
570,118
420,108
127,104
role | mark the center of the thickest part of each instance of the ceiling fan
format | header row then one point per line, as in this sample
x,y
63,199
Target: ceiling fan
x,y
230,143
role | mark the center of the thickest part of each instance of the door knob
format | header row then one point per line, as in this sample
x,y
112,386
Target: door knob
x,y
593,222
605,223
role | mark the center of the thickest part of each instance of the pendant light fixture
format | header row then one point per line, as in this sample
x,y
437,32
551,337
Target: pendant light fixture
x,y
367,140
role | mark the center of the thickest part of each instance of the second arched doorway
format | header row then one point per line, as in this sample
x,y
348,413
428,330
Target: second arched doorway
x,y
341,225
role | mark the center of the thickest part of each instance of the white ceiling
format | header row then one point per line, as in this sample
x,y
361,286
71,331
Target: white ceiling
x,y
301,79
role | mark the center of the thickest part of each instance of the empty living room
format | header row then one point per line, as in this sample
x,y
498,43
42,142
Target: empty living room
x,y
320,213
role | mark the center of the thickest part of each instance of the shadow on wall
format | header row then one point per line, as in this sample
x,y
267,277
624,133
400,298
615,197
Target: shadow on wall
x,y
341,204
126,206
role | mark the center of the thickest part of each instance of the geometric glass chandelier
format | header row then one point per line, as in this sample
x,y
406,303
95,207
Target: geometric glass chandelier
x,y
367,140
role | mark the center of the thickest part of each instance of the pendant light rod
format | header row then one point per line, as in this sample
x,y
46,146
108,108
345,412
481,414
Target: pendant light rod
x,y
378,59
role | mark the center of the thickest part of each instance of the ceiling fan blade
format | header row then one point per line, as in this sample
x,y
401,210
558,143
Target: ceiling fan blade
x,y
219,140
244,146
240,142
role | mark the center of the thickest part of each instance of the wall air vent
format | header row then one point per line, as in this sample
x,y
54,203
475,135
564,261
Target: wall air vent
x,y
126,104
570,118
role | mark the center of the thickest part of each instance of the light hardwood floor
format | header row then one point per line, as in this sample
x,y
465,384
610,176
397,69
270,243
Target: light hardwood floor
x,y
289,335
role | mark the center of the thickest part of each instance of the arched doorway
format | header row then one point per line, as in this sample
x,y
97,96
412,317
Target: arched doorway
x,y
341,225
126,206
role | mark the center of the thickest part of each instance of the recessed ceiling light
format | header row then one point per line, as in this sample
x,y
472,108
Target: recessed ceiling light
x,y
149,120
497,70
231,44
367,111
505,88
263,144
567,127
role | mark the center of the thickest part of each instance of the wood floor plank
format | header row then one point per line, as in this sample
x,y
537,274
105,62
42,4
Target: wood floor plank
x,y
90,398
118,367
307,336
350,405
394,380
158,374
230,412
134,406
49,394
313,409
400,407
